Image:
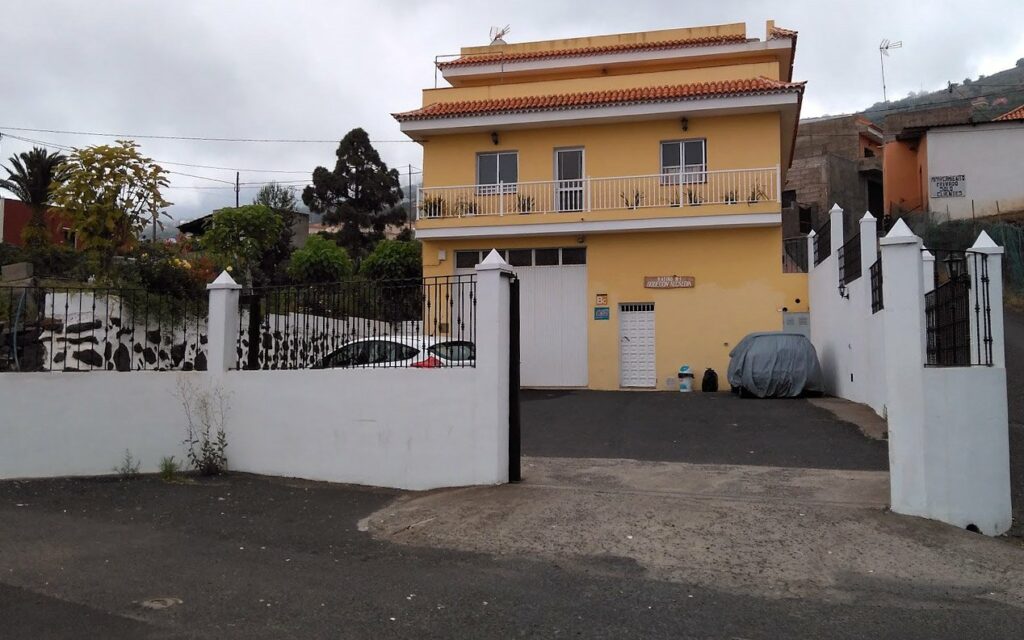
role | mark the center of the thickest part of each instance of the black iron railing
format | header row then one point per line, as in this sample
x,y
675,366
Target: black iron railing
x,y
425,323
822,242
948,320
877,301
849,260
794,255
982,310
82,328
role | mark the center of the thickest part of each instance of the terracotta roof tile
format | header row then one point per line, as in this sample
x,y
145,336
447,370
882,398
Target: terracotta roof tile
x,y
1016,114
489,58
591,99
778,32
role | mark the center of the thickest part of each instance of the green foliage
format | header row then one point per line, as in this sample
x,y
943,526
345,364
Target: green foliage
x,y
169,468
277,197
31,180
158,268
360,195
110,192
205,436
321,260
242,236
393,260
59,261
129,467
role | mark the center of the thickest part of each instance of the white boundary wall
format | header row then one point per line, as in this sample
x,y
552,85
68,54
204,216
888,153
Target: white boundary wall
x,y
402,428
948,426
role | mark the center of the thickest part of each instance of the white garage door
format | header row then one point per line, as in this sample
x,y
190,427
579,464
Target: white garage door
x,y
553,315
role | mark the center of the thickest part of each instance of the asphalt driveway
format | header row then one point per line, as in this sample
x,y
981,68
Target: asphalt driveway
x,y
699,428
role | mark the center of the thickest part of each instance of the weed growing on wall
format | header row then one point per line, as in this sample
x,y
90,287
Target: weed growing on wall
x,y
205,419
169,468
129,467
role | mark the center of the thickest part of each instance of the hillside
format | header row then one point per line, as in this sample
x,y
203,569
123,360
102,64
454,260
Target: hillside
x,y
990,96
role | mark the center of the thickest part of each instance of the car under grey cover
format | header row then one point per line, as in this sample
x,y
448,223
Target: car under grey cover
x,y
775,365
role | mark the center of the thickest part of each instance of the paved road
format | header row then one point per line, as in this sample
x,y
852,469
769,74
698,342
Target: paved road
x,y
266,558
1014,332
700,428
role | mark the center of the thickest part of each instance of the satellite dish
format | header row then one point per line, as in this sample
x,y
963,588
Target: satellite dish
x,y
498,33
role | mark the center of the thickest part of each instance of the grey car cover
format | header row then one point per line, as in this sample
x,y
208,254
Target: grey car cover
x,y
775,365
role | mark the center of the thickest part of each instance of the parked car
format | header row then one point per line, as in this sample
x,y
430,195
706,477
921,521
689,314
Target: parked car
x,y
400,351
774,365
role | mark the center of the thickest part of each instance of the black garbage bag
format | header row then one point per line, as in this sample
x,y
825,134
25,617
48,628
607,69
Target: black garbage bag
x,y
709,384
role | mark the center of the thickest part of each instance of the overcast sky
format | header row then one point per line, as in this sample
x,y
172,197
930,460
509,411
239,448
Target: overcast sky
x,y
315,69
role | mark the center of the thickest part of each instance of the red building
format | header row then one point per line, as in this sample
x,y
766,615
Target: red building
x,y
15,216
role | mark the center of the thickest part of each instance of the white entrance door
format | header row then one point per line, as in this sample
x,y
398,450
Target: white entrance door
x,y
636,345
569,179
553,324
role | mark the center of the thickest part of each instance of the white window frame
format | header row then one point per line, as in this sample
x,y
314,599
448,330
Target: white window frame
x,y
684,173
493,188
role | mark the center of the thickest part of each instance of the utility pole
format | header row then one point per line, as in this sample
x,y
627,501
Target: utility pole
x,y
236,189
412,203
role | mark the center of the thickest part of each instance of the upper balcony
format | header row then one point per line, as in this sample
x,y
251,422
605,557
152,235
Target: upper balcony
x,y
690,197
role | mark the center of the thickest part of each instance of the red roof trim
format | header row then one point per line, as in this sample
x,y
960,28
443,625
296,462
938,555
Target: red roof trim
x,y
490,58
590,99
1016,114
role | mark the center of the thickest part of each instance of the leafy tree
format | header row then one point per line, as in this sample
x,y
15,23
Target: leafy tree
x,y
242,236
31,180
276,196
393,260
111,192
319,261
360,195
283,201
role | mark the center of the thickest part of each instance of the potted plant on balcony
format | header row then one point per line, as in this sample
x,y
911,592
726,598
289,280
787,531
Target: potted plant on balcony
x,y
524,204
634,200
434,207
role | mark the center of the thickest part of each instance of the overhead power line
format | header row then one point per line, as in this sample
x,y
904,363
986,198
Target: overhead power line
x,y
189,138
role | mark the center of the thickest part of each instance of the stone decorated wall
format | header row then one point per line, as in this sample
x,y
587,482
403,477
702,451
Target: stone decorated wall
x,y
85,332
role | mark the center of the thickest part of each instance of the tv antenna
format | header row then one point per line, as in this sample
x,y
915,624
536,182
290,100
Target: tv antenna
x,y
498,33
883,53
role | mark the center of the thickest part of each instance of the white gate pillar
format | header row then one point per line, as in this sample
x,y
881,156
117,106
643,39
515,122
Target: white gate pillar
x,y
492,360
905,355
985,262
222,326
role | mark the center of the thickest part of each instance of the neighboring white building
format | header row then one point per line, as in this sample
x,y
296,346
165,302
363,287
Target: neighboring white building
x,y
964,170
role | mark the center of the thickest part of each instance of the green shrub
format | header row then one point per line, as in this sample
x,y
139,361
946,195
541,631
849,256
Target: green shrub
x,y
129,467
393,260
169,468
321,260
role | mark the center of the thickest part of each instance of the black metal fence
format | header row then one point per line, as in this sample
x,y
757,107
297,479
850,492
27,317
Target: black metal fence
x,y
947,314
424,323
849,260
982,309
877,300
81,328
822,242
794,255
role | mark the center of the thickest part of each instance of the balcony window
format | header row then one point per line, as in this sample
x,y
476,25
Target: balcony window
x,y
684,161
495,168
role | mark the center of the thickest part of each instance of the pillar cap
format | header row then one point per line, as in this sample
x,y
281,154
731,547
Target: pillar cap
x,y
985,244
223,281
494,262
900,234
868,217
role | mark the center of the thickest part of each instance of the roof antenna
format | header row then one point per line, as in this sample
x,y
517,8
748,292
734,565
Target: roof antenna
x,y
497,33
883,51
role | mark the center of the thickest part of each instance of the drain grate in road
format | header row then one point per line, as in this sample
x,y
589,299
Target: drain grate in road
x,y
160,603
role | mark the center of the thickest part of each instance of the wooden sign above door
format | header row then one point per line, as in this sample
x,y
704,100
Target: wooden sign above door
x,y
669,282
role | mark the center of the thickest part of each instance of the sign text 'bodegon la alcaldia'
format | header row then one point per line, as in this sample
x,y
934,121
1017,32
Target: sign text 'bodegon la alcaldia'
x,y
668,282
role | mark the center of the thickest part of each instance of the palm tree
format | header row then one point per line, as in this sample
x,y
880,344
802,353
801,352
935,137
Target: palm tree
x,y
30,181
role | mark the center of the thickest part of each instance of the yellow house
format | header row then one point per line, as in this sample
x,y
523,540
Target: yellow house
x,y
632,180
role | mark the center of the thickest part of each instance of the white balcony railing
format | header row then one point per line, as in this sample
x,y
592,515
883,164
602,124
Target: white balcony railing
x,y
674,189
